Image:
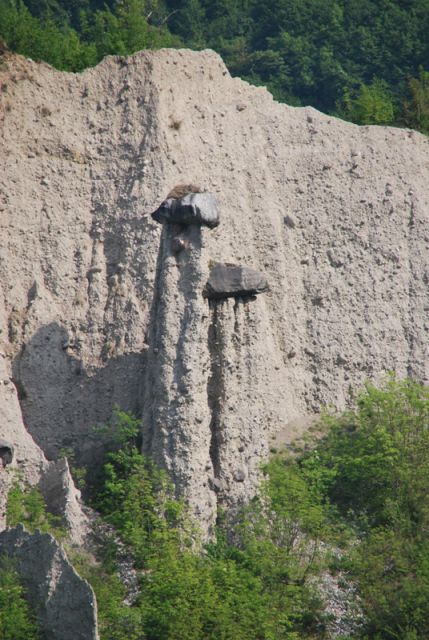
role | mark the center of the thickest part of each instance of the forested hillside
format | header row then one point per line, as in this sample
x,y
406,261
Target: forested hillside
x,y
364,60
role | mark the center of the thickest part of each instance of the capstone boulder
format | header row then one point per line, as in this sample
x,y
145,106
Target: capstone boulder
x,y
201,209
231,280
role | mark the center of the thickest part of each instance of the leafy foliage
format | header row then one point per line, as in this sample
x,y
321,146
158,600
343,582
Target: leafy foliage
x,y
363,487
378,456
372,104
254,587
45,39
17,622
137,498
25,505
116,620
417,106
47,33
375,465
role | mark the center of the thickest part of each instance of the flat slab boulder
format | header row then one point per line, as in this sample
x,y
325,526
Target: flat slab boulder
x,y
201,209
231,280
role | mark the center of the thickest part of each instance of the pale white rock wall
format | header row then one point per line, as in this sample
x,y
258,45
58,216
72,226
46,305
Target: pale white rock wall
x,y
63,500
335,216
30,466
28,457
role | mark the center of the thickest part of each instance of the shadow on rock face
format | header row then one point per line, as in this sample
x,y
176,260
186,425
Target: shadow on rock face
x,y
62,401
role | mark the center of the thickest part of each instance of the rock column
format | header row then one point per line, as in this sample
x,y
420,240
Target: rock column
x,y
209,364
176,419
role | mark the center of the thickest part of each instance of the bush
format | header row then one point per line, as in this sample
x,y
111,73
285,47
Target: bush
x,y
371,104
254,588
375,465
17,622
363,486
26,505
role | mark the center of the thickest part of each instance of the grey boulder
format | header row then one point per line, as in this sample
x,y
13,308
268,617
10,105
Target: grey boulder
x,y
201,209
231,280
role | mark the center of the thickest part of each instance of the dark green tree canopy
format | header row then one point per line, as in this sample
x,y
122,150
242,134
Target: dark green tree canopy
x,y
363,60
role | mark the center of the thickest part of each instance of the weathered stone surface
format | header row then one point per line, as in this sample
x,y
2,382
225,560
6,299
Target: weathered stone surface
x,y
239,475
231,280
27,456
201,209
175,407
64,500
19,450
221,377
64,603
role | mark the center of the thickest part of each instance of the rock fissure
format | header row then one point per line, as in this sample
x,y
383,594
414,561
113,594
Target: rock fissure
x,y
214,391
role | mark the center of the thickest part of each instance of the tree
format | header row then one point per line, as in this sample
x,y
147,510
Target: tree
x,y
371,105
374,465
416,108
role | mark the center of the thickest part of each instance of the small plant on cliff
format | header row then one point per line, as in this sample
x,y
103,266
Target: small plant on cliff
x,y
26,505
136,497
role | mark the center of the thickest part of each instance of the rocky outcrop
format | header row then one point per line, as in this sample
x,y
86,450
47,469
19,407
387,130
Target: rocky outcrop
x,y
16,446
99,305
64,603
190,427
176,414
201,209
233,281
19,452
64,500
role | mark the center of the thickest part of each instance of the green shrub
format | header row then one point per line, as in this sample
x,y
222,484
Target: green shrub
x,y
254,588
363,486
116,620
416,107
376,458
26,505
371,104
17,622
375,464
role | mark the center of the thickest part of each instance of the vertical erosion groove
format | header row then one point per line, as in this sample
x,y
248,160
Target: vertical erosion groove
x,y
214,385
153,340
176,413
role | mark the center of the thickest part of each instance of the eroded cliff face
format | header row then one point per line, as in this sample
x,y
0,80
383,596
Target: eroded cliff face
x,y
97,309
64,603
